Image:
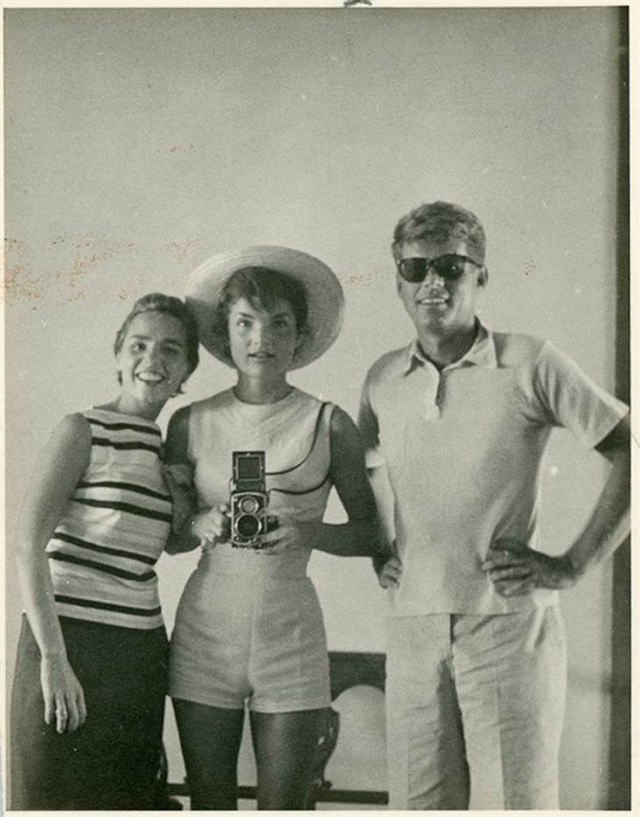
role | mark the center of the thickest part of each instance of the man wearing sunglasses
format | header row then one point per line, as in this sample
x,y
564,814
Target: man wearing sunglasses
x,y
455,428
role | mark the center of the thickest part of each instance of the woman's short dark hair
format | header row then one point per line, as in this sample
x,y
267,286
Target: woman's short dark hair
x,y
439,222
262,287
168,304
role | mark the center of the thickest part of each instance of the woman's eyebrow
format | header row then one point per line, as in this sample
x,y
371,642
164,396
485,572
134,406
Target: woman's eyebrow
x,y
173,341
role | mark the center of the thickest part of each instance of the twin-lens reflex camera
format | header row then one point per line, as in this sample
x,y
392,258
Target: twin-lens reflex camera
x,y
249,501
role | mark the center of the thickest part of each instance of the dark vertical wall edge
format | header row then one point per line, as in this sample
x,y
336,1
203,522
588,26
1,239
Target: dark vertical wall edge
x,y
619,797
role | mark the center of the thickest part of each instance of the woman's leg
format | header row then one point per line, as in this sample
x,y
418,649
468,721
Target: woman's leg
x,y
285,744
210,739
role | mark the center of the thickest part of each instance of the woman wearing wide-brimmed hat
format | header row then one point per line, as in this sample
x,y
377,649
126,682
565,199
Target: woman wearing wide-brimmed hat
x,y
249,628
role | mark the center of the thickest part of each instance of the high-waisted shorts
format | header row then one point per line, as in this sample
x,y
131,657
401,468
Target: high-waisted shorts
x,y
248,631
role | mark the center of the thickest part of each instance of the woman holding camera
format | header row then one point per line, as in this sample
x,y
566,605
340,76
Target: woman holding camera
x,y
91,671
249,628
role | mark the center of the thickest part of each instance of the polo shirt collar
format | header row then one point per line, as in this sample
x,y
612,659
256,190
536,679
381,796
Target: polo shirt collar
x,y
481,353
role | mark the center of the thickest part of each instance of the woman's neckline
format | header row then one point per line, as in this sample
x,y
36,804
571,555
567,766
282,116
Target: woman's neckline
x,y
124,414
238,399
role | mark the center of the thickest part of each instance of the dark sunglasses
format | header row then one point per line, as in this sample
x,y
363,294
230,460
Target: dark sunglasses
x,y
450,267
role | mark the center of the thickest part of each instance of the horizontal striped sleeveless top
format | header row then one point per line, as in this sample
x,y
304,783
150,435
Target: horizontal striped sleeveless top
x,y
114,528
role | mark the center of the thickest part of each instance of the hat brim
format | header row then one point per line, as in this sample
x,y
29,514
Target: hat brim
x,y
325,298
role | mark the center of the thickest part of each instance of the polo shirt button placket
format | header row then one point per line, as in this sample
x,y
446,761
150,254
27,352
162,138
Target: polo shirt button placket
x,y
432,397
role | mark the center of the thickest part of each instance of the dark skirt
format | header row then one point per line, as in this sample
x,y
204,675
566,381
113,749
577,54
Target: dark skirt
x,y
112,762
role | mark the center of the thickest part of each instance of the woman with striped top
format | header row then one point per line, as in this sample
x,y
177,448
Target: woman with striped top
x,y
90,679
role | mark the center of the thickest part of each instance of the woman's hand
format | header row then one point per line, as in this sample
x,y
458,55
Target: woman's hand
x,y
63,695
389,569
211,527
288,533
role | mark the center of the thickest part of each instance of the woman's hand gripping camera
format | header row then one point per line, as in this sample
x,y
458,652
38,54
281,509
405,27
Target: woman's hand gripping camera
x,y
211,527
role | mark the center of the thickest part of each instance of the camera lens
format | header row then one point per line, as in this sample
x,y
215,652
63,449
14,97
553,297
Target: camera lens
x,y
248,526
248,504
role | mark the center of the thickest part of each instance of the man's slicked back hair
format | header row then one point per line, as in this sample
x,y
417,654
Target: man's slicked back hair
x,y
438,222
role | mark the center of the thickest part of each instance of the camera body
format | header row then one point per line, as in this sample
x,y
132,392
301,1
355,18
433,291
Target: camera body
x,y
249,500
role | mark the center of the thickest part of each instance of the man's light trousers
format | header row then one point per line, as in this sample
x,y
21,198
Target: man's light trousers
x,y
475,706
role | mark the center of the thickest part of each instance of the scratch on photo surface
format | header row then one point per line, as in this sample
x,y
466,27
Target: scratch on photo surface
x,y
181,250
357,281
61,280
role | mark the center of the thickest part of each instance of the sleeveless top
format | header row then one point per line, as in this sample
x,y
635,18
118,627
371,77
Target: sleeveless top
x,y
294,433
114,528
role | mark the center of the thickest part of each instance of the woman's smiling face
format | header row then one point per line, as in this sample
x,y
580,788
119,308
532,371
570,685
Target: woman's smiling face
x,y
262,341
152,362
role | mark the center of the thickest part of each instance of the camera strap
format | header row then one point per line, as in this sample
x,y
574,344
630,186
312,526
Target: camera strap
x,y
293,468
308,454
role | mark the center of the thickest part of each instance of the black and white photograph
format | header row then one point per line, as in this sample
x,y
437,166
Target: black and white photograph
x,y
316,407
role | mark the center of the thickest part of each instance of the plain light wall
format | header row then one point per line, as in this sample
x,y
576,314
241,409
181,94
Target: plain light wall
x,y
140,141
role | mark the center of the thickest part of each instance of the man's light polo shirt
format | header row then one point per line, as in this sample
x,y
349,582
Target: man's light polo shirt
x,y
463,449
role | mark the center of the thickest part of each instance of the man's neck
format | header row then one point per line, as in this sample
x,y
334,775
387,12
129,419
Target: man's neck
x,y
443,349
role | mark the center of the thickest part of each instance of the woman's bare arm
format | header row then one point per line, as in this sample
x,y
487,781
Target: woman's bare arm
x,y
59,468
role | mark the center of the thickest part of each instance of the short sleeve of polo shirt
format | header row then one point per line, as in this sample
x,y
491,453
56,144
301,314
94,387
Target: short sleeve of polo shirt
x,y
566,397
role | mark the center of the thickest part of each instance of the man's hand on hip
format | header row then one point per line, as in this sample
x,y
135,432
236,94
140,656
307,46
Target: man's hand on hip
x,y
515,571
388,568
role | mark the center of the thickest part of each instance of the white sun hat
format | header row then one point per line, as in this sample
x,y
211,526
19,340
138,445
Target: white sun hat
x,y
325,298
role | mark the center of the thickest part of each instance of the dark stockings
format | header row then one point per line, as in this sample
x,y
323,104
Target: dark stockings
x,y
210,740
284,744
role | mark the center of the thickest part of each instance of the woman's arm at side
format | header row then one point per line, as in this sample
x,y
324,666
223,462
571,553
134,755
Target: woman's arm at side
x,y
363,534
58,470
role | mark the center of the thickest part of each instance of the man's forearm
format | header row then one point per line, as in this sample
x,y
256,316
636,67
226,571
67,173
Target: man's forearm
x,y
609,524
